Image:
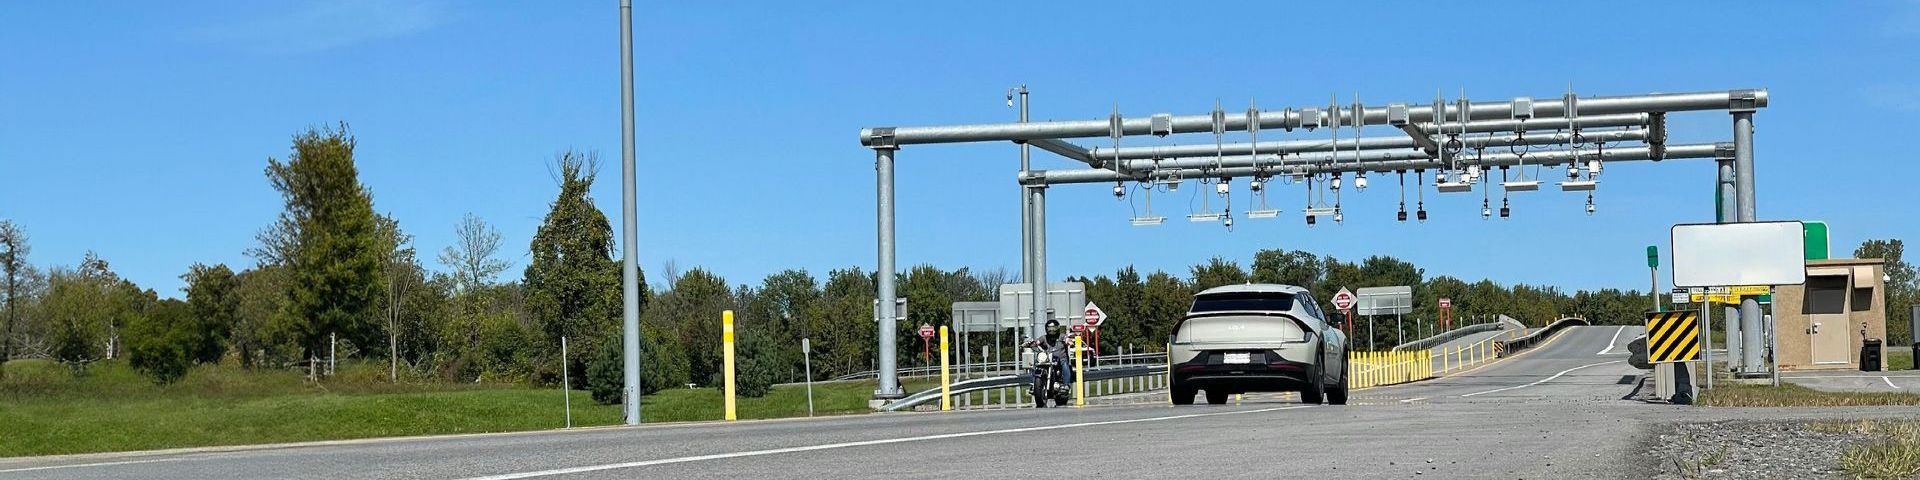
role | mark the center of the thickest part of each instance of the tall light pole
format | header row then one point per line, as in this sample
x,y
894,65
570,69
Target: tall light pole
x,y
629,272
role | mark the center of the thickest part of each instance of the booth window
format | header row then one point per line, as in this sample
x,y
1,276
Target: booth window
x,y
1826,294
1862,299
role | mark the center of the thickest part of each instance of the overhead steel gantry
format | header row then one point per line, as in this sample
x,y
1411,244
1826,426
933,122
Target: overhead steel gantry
x,y
1452,139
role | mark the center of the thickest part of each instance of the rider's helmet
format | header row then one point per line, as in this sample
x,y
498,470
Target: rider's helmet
x,y
1053,327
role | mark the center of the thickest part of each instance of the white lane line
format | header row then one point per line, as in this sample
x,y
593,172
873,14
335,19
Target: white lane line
x,y
1610,343
1889,382
86,465
809,448
1411,400
1548,379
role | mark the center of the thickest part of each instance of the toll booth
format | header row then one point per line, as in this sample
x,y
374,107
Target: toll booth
x,y
1824,323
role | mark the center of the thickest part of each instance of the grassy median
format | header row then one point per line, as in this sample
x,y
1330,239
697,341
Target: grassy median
x,y
1790,395
1892,452
46,409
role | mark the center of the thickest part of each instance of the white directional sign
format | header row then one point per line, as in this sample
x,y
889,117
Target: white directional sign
x,y
1343,301
1093,316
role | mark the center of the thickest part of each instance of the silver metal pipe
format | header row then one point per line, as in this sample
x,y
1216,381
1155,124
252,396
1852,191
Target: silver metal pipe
x,y
1026,201
889,378
1039,278
1373,148
629,270
1293,146
1750,360
1728,203
1381,162
1287,119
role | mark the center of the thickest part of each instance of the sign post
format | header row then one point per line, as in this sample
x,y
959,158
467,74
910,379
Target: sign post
x,y
1092,316
926,342
1446,313
1343,301
1653,266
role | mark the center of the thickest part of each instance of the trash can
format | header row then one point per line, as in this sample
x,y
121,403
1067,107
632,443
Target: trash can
x,y
1915,363
1870,355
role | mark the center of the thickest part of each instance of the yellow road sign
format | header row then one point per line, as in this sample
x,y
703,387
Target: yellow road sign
x,y
1673,337
1750,290
1715,298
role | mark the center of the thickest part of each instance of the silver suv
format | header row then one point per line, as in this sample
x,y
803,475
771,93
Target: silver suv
x,y
1257,338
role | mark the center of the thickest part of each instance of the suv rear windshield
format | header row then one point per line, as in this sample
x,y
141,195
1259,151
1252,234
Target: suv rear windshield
x,y
1243,302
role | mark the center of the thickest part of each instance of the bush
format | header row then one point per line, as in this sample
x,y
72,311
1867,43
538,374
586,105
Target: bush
x,y
662,366
760,363
161,344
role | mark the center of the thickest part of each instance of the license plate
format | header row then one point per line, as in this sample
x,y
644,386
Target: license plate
x,y
1239,358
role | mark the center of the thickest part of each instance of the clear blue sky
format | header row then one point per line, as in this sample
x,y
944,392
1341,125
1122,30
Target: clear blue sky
x,y
140,130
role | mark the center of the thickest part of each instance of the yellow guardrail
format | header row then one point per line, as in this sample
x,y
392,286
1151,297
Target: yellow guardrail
x,y
1373,369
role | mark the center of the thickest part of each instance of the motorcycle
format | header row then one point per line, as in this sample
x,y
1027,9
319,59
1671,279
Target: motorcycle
x,y
1048,381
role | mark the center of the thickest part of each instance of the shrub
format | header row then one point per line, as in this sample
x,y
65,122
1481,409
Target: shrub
x,y
662,366
161,344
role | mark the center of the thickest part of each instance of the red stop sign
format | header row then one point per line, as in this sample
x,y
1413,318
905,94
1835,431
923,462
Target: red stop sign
x,y
1080,328
926,331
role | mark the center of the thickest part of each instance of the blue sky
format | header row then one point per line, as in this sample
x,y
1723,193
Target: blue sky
x,y
140,130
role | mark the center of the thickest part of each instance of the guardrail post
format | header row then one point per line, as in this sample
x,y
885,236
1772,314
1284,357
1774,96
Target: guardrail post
x,y
946,380
726,339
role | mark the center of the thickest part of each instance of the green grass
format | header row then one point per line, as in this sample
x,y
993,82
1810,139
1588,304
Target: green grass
x,y
1893,451
45,409
1901,359
1790,395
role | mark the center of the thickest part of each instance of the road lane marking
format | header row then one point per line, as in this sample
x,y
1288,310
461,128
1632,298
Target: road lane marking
x,y
1411,400
1548,379
865,443
1889,382
1616,339
87,465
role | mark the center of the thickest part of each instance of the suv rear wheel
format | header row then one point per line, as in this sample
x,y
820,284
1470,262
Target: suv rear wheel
x,y
1338,394
1218,398
1316,390
1181,395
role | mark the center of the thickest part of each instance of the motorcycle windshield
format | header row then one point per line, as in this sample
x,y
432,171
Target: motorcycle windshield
x,y
1239,329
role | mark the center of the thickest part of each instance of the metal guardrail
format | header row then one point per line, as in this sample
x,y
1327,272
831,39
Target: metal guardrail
x,y
1510,347
1450,335
964,387
934,370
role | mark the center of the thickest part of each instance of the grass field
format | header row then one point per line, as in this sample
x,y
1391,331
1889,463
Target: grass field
x,y
1790,395
45,409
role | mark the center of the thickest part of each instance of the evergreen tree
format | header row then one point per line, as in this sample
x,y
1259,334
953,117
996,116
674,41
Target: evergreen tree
x,y
573,282
213,303
327,239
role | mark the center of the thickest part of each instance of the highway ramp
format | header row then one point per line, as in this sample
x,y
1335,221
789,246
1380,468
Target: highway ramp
x,y
1553,412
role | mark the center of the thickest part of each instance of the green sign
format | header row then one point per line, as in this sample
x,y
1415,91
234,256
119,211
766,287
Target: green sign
x,y
1817,241
1653,256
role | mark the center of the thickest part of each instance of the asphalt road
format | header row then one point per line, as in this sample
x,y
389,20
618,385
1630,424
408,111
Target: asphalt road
x,y
1552,412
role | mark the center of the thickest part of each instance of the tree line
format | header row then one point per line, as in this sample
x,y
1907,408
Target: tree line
x,y
332,276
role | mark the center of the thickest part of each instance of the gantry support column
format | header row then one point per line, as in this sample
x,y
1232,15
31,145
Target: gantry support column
x,y
1750,328
883,175
1728,204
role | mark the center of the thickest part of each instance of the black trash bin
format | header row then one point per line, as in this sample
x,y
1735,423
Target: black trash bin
x,y
1915,364
1870,355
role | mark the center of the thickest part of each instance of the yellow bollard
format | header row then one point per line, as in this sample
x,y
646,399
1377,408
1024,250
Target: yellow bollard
x,y
946,382
1079,374
726,342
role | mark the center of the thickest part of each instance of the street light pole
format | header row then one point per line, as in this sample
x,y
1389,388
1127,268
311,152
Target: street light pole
x,y
629,271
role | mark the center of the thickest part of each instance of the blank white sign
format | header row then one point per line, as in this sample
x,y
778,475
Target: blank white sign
x,y
1762,253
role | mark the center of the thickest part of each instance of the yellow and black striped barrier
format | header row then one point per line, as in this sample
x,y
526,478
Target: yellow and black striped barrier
x,y
1673,337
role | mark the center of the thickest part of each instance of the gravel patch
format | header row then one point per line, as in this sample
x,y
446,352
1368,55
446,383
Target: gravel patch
x,y
1745,449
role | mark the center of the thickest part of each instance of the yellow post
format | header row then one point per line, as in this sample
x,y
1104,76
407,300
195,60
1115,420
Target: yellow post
x,y
1079,374
946,382
726,342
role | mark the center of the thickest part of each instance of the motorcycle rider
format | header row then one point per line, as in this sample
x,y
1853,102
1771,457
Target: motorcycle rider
x,y
1057,343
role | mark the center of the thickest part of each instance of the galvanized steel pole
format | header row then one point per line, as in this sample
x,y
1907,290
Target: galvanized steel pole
x,y
629,271
1026,207
1291,118
889,378
1729,203
1039,279
1750,327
